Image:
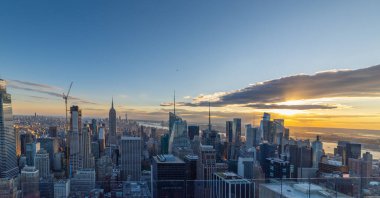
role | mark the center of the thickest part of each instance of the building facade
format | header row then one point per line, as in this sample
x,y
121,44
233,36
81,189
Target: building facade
x,y
8,168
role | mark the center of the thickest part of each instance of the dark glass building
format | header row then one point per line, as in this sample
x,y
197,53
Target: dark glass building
x,y
193,130
169,176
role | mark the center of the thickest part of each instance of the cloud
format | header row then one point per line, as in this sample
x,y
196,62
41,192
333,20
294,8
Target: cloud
x,y
292,107
328,84
44,89
11,82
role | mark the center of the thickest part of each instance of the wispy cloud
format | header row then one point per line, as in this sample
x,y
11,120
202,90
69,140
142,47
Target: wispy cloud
x,y
45,90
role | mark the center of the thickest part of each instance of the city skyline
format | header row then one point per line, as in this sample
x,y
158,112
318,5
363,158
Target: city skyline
x,y
139,53
309,105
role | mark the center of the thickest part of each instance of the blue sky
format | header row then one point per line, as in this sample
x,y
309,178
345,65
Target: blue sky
x,y
145,49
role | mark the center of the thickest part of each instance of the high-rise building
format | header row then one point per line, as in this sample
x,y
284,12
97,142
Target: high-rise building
x,y
18,141
95,150
31,151
75,130
131,158
353,150
245,167
276,168
94,129
228,184
300,157
30,182
193,130
191,174
53,131
361,167
266,151
229,134
178,136
249,135
112,125
8,167
42,163
165,143
236,140
51,146
169,175
265,128
62,188
83,182
102,139
25,138
86,157
317,148
173,118
8,188
205,169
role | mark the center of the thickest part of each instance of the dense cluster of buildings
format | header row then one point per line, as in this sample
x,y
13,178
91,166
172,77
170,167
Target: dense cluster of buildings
x,y
120,158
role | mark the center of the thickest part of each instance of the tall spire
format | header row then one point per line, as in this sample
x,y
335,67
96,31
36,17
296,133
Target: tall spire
x,y
112,102
174,102
209,116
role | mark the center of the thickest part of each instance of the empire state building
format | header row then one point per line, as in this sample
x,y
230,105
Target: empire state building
x,y
112,125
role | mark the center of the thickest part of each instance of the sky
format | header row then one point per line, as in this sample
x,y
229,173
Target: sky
x,y
313,63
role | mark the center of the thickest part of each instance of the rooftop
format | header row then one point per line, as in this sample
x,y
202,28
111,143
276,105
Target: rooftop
x,y
130,138
167,159
300,190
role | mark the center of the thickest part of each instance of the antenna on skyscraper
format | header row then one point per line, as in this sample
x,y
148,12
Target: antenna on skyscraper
x,y
174,102
209,115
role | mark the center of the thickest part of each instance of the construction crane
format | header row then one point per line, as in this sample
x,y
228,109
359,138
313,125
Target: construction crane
x,y
65,97
68,168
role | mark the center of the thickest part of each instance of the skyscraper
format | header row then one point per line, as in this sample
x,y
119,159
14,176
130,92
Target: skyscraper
x,y
30,182
42,163
112,125
165,143
317,149
75,129
86,156
249,135
193,130
191,174
236,138
206,168
31,151
131,158
8,167
169,175
228,184
178,136
51,146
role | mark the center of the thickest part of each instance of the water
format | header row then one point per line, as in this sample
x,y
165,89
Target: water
x,y
329,148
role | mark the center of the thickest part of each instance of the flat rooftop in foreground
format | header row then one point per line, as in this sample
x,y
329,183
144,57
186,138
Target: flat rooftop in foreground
x,y
300,190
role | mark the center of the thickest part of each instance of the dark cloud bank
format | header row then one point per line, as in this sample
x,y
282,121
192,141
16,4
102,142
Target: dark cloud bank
x,y
345,83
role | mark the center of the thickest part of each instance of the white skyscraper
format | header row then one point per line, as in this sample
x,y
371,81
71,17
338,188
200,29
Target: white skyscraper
x,y
131,158
8,167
